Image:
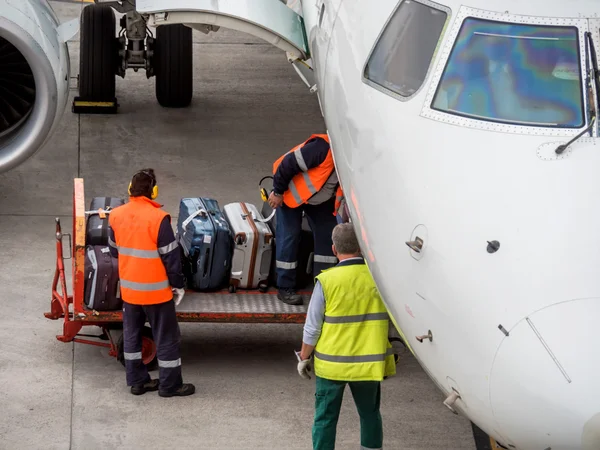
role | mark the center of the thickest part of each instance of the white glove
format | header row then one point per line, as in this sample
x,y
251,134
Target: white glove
x,y
303,369
178,295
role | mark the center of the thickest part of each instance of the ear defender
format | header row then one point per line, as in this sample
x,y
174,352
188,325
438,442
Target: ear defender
x,y
154,193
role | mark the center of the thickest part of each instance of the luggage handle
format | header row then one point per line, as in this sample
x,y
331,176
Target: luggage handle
x,y
192,216
259,219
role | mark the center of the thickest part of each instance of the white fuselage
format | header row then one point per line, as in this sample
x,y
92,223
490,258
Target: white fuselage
x,y
408,171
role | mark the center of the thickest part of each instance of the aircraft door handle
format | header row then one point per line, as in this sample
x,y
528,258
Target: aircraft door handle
x,y
416,245
425,336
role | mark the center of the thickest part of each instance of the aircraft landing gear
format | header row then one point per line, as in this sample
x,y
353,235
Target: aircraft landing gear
x,y
103,56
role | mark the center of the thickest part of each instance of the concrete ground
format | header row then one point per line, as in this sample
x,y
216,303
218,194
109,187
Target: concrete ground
x,y
249,107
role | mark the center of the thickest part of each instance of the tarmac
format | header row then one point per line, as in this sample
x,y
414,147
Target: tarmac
x,y
249,107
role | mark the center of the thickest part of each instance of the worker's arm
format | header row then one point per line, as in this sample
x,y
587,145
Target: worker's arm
x,y
168,249
112,243
311,155
314,322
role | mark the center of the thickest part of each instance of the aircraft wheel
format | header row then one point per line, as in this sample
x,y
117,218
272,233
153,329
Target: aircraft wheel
x,y
173,65
98,54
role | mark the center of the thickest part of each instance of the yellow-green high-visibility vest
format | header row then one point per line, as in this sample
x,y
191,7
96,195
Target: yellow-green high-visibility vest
x,y
353,345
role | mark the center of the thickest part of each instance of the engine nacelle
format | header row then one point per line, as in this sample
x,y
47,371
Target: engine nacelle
x,y
34,78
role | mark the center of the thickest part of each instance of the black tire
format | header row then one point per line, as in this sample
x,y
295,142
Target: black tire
x,y
173,66
232,289
146,332
98,54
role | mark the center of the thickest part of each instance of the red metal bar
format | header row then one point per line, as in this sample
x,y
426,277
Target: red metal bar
x,y
97,344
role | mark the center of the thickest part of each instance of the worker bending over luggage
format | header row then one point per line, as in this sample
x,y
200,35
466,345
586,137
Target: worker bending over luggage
x,y
151,276
347,327
304,179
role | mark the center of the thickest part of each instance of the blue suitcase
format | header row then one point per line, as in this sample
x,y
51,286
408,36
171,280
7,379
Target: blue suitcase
x,y
207,243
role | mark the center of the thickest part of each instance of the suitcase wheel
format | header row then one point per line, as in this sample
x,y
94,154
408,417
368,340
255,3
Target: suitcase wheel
x,y
232,289
263,287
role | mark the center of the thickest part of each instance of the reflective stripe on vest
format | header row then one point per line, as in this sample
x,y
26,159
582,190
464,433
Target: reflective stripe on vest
x,y
142,274
353,345
307,183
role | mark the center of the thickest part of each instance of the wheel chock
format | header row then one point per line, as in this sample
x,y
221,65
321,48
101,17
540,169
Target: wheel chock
x,y
81,106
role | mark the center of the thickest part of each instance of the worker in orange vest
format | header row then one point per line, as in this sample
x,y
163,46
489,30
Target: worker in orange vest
x,y
304,179
152,285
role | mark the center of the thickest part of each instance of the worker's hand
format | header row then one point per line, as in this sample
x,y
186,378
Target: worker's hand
x,y
178,295
275,201
303,368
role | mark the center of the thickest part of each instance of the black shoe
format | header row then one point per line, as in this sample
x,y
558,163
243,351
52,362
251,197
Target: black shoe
x,y
290,297
140,389
185,389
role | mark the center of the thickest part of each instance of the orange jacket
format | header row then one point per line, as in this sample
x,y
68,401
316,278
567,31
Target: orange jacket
x,y
142,274
307,183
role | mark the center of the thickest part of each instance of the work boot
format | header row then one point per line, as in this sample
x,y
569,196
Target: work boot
x,y
140,389
289,296
185,389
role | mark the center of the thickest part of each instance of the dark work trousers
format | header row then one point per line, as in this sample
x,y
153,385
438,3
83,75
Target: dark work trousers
x,y
165,329
289,227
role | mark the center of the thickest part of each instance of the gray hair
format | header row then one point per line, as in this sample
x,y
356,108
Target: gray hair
x,y
344,239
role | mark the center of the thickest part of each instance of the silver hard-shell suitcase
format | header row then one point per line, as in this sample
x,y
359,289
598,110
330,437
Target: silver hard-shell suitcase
x,y
253,247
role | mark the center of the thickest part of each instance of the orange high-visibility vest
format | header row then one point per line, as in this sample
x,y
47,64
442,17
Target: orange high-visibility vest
x,y
143,276
307,183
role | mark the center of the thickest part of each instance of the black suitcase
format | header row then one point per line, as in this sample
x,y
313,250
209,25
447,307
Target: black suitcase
x,y
306,248
97,228
101,284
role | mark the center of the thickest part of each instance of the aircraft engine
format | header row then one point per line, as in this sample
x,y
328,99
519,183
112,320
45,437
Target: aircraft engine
x,y
34,78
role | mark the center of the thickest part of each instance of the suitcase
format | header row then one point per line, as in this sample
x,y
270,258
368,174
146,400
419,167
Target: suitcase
x,y
97,227
206,242
101,283
306,248
253,247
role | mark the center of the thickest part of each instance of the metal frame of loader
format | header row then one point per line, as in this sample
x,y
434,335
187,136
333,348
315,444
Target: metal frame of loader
x,y
76,315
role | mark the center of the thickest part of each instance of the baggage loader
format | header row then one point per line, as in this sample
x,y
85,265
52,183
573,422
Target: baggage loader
x,y
206,241
253,249
68,302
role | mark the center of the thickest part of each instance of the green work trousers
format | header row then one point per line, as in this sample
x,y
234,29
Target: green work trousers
x,y
328,401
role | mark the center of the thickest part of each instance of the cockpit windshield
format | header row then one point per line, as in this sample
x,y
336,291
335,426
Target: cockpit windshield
x,y
514,73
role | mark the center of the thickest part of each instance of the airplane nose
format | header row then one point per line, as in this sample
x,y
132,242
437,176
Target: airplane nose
x,y
545,379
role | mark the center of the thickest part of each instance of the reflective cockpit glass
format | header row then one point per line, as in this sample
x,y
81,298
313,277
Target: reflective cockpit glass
x,y
403,53
514,73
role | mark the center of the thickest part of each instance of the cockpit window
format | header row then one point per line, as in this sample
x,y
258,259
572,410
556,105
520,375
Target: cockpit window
x,y
514,73
403,53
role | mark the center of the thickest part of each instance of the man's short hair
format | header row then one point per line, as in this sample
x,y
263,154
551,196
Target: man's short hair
x,y
142,183
345,240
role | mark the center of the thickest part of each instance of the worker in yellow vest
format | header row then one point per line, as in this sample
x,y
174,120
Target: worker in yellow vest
x,y
347,328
